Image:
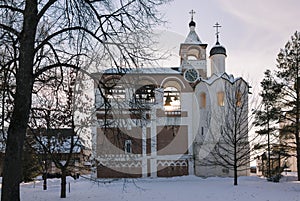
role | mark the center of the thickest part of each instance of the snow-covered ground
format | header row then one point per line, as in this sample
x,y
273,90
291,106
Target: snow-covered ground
x,y
179,188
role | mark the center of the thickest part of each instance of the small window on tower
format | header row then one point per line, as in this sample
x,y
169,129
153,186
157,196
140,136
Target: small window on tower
x,y
220,96
202,100
238,99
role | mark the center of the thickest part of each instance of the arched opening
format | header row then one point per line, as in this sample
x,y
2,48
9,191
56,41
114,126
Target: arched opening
x,y
192,58
114,90
145,94
172,99
142,101
193,53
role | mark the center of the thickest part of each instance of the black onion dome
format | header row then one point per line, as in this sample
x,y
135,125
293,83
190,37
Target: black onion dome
x,y
217,49
192,24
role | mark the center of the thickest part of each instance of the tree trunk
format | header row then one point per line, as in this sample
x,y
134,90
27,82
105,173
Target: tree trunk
x,y
235,169
235,176
269,157
45,174
297,124
235,161
235,153
269,147
45,181
279,163
12,172
63,187
298,156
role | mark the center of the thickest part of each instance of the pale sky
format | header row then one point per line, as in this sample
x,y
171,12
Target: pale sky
x,y
253,31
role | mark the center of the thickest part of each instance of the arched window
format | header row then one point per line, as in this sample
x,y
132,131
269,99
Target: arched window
x,y
220,97
192,57
203,100
193,53
145,94
114,90
142,101
128,146
172,99
238,98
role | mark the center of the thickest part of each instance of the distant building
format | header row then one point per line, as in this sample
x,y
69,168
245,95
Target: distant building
x,y
262,164
59,143
150,120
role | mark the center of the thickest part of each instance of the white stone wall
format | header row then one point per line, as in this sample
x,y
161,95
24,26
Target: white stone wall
x,y
217,63
212,117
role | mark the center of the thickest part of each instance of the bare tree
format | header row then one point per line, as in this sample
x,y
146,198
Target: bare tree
x,y
229,130
47,34
53,124
7,88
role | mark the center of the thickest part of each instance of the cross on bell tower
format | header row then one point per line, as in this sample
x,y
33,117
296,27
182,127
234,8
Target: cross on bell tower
x,y
217,54
193,53
217,26
192,12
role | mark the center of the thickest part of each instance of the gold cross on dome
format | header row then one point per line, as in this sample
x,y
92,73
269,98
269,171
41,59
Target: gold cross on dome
x,y
192,12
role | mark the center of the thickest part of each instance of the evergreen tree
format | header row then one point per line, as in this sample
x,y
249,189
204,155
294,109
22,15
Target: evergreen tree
x,y
267,115
288,75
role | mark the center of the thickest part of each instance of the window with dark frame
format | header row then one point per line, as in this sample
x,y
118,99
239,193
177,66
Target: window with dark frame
x,y
128,146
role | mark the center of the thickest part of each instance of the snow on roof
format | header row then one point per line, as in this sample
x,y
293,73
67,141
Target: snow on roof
x,y
155,71
217,76
55,145
116,70
158,70
192,38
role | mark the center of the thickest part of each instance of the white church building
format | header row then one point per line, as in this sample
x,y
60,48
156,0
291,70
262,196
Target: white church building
x,y
172,121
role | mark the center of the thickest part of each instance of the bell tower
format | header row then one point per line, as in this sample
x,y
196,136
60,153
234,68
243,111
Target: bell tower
x,y
193,54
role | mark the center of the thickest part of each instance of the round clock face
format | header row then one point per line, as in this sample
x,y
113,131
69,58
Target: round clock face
x,y
191,75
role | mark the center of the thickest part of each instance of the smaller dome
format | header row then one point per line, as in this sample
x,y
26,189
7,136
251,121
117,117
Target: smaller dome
x,y
192,24
217,49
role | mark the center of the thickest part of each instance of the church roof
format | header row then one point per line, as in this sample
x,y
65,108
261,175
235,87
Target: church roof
x,y
155,71
192,37
192,23
230,78
217,49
